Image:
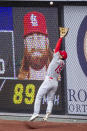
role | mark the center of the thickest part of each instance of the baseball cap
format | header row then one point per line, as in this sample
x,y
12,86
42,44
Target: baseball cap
x,y
34,22
63,54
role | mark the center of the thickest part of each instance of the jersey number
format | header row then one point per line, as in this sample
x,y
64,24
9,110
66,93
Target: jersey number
x,y
58,69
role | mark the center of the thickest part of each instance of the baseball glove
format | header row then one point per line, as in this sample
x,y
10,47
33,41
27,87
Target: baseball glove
x,y
63,31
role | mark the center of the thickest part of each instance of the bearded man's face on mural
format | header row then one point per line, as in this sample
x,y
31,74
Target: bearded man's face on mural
x,y
36,46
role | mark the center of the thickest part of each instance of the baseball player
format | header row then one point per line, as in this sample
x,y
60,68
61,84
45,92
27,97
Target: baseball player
x,y
50,84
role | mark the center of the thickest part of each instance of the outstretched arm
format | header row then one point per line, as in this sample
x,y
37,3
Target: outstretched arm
x,y
63,33
58,45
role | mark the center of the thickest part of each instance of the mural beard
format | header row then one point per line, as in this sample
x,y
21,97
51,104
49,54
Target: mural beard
x,y
37,62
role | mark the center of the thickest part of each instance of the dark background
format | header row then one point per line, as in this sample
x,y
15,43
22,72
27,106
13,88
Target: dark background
x,y
51,15
54,19
6,53
8,91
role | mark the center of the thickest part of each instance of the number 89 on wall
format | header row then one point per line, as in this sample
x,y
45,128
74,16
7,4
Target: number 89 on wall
x,y
29,92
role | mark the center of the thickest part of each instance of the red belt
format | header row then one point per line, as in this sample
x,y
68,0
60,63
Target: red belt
x,y
51,77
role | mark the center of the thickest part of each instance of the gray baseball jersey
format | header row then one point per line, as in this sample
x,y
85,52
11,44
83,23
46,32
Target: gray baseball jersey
x,y
55,66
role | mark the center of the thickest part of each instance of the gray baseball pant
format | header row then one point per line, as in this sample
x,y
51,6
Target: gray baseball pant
x,y
49,87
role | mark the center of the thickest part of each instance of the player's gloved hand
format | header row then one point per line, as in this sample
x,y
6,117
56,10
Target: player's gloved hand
x,y
63,31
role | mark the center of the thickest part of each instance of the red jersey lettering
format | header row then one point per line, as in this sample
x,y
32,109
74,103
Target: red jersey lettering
x,y
59,68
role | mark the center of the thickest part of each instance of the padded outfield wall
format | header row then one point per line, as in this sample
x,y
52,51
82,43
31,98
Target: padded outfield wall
x,y
18,96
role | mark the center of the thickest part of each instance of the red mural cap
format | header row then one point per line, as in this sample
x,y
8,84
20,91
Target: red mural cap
x,y
34,22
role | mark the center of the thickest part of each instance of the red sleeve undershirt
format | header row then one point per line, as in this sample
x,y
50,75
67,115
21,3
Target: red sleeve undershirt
x,y
58,45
